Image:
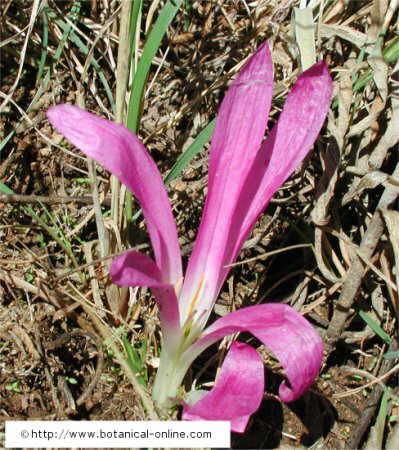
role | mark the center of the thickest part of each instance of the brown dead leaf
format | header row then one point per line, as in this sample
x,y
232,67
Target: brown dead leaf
x,y
380,70
326,187
369,121
183,38
368,181
345,98
377,14
375,59
392,221
331,157
344,32
393,439
391,135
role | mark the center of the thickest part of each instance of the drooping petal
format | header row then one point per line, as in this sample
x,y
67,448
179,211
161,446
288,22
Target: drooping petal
x,y
133,268
284,331
240,127
136,269
288,143
237,392
113,146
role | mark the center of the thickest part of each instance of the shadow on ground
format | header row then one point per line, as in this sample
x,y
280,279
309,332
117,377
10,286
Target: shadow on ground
x,y
313,414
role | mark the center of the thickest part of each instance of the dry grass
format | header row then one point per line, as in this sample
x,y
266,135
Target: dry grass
x,y
334,223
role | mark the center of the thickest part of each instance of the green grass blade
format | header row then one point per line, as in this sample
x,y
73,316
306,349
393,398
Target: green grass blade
x,y
391,55
150,49
134,360
134,17
197,145
54,233
43,55
4,142
85,50
5,189
375,327
47,12
376,435
132,357
305,36
57,229
392,355
188,7
73,17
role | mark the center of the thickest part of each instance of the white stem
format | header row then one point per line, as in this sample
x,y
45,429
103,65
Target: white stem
x,y
173,365
169,377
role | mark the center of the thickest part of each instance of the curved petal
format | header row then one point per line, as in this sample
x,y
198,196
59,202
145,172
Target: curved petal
x,y
240,128
237,392
288,143
136,269
284,331
133,268
113,146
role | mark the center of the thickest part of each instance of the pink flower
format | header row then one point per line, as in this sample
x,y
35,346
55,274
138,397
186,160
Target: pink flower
x,y
244,172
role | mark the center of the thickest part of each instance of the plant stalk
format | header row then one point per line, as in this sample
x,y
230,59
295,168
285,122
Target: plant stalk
x,y
122,75
169,377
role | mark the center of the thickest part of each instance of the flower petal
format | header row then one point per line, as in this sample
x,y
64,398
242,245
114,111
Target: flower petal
x,y
133,268
136,269
284,331
284,149
240,127
113,146
237,392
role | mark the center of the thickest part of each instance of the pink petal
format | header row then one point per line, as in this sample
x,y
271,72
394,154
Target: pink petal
x,y
133,268
284,331
113,146
136,269
288,143
237,392
240,127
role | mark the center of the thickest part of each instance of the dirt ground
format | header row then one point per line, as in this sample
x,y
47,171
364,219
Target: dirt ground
x,y
327,244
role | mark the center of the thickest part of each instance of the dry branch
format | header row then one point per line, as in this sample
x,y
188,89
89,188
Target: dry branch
x,y
355,273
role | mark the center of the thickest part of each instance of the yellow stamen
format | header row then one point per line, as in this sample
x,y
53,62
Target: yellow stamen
x,y
178,286
195,298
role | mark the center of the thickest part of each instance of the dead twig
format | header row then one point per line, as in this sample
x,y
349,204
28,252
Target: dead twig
x,y
49,200
356,271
